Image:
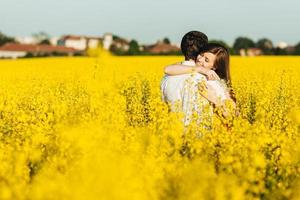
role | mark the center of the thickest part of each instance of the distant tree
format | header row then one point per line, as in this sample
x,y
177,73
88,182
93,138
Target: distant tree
x,y
117,51
116,37
265,45
134,48
40,36
279,51
5,39
242,43
231,51
166,41
45,41
220,42
29,55
297,49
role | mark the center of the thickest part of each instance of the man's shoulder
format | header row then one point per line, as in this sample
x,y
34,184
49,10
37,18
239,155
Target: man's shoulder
x,y
198,76
193,76
180,76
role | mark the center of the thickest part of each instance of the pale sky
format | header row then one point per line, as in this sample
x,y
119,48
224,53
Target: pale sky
x,y
148,21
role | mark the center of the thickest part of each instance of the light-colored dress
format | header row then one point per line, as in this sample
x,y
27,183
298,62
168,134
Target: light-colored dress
x,y
220,88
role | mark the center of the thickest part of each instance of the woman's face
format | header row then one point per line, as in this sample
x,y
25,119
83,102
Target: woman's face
x,y
206,60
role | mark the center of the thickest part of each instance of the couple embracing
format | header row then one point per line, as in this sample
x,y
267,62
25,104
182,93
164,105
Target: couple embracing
x,y
201,82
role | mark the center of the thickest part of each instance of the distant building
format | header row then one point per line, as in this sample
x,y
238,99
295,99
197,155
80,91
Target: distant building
x,y
118,45
93,42
79,42
27,40
254,52
161,48
290,49
282,45
107,41
12,50
121,43
54,40
76,42
251,52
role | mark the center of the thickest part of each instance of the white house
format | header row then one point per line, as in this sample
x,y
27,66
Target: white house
x,y
54,40
282,45
76,42
93,42
251,52
107,40
12,54
27,40
79,42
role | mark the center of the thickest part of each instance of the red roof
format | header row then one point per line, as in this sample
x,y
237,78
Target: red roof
x,y
36,48
163,48
78,37
72,37
254,49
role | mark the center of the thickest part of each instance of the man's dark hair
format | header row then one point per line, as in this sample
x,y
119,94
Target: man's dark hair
x,y
192,44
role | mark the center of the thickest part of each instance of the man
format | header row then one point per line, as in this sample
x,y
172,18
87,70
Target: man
x,y
181,91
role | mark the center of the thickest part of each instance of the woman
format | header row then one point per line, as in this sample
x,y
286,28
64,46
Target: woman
x,y
214,63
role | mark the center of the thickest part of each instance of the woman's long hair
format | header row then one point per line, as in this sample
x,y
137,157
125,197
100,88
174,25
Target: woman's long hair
x,y
221,64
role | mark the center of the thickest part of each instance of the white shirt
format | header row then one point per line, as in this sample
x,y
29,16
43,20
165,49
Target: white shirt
x,y
181,92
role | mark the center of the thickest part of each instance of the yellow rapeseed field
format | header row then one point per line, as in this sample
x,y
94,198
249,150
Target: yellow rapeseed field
x,y
96,128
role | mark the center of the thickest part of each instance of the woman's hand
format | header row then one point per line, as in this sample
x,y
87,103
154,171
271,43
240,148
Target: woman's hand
x,y
208,92
210,74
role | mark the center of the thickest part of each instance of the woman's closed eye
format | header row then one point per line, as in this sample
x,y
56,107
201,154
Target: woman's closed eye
x,y
199,58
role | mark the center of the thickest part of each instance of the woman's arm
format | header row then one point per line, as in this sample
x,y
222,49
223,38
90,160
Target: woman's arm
x,y
178,68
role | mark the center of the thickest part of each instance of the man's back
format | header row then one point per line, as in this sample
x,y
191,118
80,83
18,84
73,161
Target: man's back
x,y
181,93
172,87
